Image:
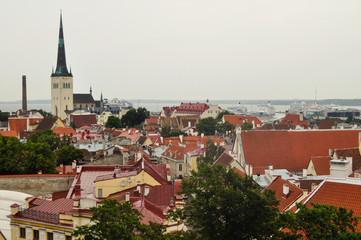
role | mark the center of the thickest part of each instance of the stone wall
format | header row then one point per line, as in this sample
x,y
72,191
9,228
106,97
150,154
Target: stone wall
x,y
36,184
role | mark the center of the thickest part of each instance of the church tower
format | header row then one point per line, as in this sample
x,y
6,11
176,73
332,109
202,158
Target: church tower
x,y
61,81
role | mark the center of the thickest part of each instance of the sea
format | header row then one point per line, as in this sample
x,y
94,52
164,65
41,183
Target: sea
x,y
155,106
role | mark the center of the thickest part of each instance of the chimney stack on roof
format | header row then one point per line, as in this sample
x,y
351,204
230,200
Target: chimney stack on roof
x,y
25,106
73,164
286,189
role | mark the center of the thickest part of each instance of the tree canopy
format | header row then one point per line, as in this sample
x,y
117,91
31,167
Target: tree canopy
x,y
113,122
224,205
221,114
134,117
208,126
213,152
113,221
247,126
4,116
320,222
167,132
41,152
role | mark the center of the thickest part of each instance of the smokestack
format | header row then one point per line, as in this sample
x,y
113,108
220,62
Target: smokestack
x,y
25,107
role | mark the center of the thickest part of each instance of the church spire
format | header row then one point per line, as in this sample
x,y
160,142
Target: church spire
x,y
61,69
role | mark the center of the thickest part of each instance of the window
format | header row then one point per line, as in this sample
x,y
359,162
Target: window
x,y
63,85
180,167
100,193
67,237
22,232
49,236
35,234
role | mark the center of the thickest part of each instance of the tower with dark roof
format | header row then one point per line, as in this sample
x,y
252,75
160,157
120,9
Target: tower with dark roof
x,y
61,81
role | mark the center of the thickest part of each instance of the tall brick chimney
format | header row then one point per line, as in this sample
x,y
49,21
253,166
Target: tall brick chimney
x,y
25,106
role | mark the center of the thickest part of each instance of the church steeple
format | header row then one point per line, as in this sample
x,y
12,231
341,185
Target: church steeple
x,y
61,69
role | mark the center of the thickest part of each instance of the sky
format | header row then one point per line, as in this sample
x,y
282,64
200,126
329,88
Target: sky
x,y
185,49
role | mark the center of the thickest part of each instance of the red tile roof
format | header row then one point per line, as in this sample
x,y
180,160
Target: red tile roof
x,y
11,133
64,131
292,150
242,174
82,120
192,108
177,152
239,120
294,120
150,212
350,152
20,124
225,159
327,123
44,210
161,195
339,193
322,165
285,200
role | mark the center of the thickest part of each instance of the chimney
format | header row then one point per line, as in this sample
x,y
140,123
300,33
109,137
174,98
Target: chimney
x,y
271,169
304,172
25,105
146,190
138,186
49,197
189,124
286,189
250,170
40,172
181,138
14,208
73,164
301,116
202,135
161,140
127,196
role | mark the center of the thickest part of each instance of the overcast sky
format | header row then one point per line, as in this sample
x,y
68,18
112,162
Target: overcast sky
x,y
185,49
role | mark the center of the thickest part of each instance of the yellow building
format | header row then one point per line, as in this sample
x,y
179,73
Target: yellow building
x,y
144,184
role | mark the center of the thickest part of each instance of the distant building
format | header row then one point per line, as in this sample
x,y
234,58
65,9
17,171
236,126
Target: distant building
x,y
61,81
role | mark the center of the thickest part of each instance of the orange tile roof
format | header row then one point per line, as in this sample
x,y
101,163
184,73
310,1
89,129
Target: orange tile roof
x,y
242,174
292,150
322,165
225,159
11,133
294,120
64,131
285,201
240,119
177,152
339,193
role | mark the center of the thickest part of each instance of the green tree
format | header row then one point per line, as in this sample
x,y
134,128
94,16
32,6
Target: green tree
x,y
113,122
4,116
113,221
38,156
167,132
221,114
320,222
213,152
46,136
67,153
225,127
224,205
208,126
247,126
10,155
134,117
